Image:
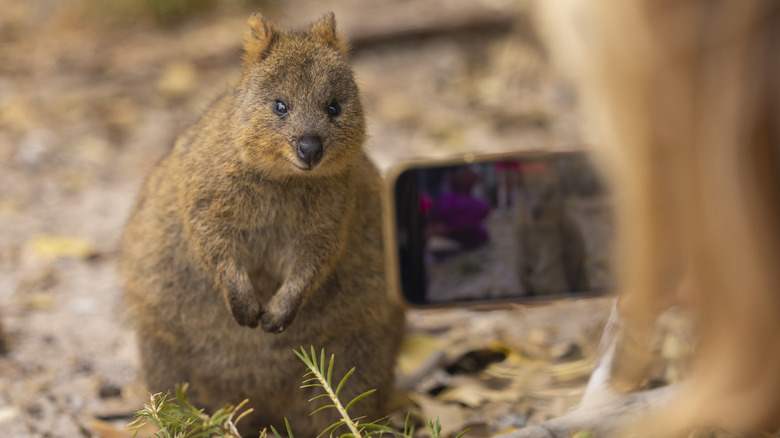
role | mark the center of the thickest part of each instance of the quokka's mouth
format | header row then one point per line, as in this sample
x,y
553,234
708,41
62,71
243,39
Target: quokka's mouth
x,y
304,167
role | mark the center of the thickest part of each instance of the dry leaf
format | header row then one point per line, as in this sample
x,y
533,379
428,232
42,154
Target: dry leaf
x,y
470,394
92,149
18,113
416,351
570,371
177,80
476,394
37,301
8,413
49,247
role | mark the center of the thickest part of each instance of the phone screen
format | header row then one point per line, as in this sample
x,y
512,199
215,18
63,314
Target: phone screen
x,y
515,228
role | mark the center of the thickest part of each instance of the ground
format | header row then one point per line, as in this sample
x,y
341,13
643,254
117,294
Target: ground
x,y
91,97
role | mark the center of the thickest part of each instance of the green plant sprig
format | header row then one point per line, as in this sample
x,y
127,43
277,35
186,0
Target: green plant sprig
x,y
324,379
178,418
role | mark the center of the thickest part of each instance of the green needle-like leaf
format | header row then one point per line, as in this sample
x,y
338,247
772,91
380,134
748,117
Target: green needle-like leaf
x,y
460,435
315,367
330,368
360,397
318,396
343,381
324,407
287,425
332,427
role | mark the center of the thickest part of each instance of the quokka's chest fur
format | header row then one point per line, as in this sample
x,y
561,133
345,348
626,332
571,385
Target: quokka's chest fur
x,y
284,221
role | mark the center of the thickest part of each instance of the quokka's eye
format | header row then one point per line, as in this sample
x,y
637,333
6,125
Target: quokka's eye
x,y
280,108
334,109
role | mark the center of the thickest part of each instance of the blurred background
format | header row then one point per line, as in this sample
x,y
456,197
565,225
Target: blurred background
x,y
94,92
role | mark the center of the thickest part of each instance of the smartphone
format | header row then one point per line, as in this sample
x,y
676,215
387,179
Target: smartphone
x,y
492,229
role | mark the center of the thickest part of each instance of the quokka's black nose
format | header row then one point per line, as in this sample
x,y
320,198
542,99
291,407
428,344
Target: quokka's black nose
x,y
309,150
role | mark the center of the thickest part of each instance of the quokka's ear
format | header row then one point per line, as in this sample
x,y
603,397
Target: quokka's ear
x,y
325,28
259,38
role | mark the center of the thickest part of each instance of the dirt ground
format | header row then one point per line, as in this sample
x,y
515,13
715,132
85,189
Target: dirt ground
x,y
91,98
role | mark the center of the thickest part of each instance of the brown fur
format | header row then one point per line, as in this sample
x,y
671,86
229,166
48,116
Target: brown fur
x,y
233,229
686,96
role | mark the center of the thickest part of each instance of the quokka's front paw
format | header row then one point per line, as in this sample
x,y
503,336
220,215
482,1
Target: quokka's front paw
x,y
275,320
245,308
248,316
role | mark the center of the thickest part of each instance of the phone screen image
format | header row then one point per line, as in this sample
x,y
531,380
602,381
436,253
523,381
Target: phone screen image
x,y
529,228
